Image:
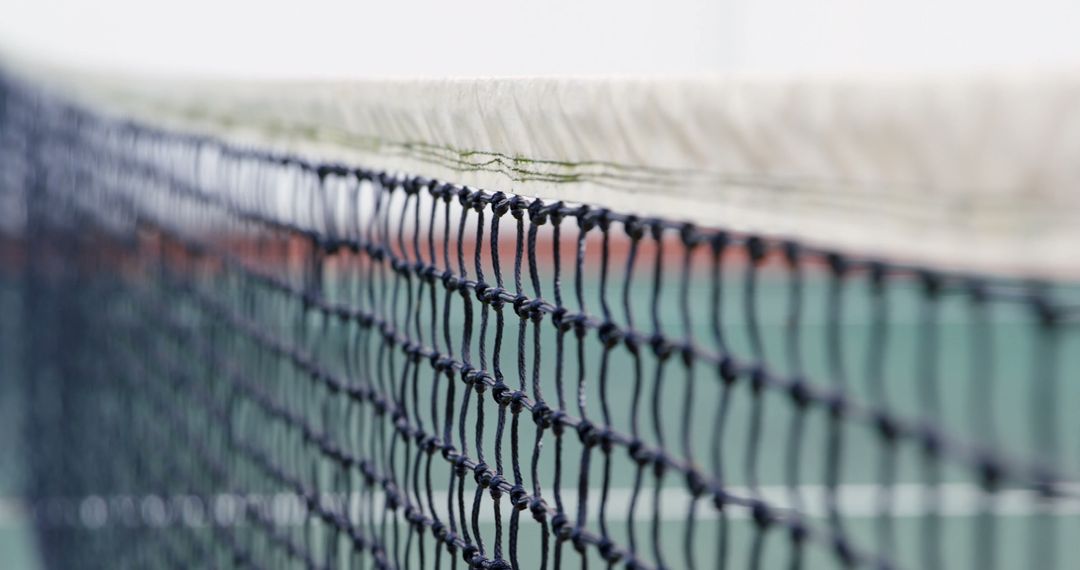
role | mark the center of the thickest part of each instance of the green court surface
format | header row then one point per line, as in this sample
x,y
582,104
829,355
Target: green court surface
x,y
976,374
17,549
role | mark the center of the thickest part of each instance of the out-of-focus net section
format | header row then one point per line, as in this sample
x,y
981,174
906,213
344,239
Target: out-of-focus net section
x,y
239,358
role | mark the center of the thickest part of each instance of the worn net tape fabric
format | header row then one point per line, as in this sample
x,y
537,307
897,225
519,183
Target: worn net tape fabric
x,y
972,172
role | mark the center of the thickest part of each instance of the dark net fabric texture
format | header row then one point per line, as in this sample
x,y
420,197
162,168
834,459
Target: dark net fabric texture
x,y
236,358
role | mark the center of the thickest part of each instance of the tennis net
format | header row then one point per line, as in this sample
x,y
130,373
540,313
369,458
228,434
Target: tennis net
x,y
237,357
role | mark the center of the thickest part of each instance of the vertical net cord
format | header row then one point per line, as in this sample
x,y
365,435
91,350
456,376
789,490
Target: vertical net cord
x,y
929,402
727,375
835,437
1044,405
876,387
983,400
793,347
690,247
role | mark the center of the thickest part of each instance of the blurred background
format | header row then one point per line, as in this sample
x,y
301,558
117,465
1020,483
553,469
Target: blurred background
x,y
329,38
435,38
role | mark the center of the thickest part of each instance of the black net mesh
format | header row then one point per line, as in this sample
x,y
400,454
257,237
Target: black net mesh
x,y
230,358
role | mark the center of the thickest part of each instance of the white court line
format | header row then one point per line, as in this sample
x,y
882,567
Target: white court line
x,y
853,501
13,511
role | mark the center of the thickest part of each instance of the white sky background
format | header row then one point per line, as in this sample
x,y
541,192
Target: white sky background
x,y
352,38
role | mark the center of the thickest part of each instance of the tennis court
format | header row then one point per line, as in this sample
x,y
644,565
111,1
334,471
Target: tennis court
x,y
959,504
